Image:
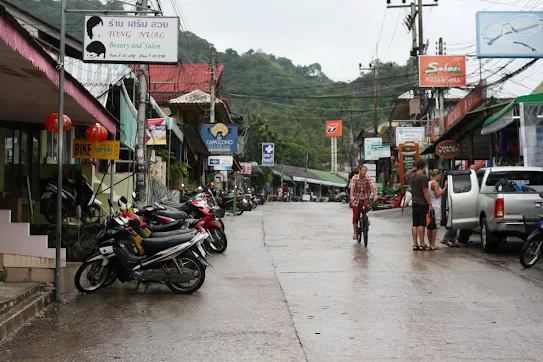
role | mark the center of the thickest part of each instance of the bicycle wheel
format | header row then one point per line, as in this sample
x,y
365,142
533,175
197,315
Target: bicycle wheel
x,y
366,228
360,229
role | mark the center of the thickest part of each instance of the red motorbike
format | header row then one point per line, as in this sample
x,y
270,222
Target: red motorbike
x,y
384,202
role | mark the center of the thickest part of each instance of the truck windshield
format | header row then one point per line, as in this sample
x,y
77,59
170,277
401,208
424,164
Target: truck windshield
x,y
528,178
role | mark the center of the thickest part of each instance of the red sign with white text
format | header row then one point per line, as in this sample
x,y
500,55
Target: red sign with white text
x,y
467,104
442,71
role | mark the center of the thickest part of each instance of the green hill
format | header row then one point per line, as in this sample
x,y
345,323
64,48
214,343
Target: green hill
x,y
284,103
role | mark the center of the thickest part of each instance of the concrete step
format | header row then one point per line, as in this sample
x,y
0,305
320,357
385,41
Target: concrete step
x,y
12,294
25,310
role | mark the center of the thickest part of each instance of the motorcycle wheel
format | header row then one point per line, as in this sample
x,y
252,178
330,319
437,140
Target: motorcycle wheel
x,y
222,224
219,240
191,262
254,204
112,277
529,254
249,207
50,211
239,212
98,278
93,216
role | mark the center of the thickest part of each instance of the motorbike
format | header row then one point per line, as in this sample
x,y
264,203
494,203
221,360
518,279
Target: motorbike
x,y
531,250
390,201
177,261
175,220
79,200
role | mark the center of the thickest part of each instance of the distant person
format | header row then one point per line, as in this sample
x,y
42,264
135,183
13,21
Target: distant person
x,y
267,191
421,204
435,197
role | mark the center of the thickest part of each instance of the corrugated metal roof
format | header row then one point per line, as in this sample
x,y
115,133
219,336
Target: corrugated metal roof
x,y
96,78
169,81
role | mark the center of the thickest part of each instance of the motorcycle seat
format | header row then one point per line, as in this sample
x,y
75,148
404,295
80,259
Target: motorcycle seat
x,y
172,233
155,245
174,214
175,225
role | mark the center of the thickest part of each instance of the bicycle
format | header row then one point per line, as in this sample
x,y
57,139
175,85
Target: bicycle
x,y
363,224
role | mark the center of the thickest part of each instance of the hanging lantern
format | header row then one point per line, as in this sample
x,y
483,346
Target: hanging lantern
x,y
51,123
96,133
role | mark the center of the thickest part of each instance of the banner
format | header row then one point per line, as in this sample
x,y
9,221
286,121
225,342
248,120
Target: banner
x,y
334,128
409,134
131,39
156,134
107,150
369,145
268,154
247,168
220,138
442,71
409,156
509,34
468,103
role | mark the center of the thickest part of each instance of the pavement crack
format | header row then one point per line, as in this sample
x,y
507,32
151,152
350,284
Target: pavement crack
x,y
281,288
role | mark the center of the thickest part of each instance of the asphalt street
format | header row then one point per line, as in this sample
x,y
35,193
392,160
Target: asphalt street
x,y
294,286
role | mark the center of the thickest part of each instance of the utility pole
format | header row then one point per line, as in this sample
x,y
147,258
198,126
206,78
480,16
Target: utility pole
x,y
212,91
373,68
418,49
441,99
141,150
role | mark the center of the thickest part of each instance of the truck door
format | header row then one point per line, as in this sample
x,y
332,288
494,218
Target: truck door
x,y
461,209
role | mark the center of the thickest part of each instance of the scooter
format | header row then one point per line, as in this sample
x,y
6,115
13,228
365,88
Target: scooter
x,y
176,261
384,202
531,250
76,194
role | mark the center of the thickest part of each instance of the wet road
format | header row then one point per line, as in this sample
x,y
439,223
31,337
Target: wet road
x,y
292,286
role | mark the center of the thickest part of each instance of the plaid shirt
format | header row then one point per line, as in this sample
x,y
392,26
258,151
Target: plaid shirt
x,y
362,188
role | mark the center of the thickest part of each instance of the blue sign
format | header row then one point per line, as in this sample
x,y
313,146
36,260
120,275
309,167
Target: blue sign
x,y
220,138
268,154
510,34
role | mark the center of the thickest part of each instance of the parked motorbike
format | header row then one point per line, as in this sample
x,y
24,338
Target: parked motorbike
x,y
390,201
76,194
531,250
177,261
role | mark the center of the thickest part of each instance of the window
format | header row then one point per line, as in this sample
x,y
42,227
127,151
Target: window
x,y
480,176
461,183
530,178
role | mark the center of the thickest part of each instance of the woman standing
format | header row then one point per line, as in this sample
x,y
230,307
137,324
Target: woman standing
x,y
435,198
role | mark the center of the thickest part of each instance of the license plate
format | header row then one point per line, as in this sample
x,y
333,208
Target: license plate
x,y
46,195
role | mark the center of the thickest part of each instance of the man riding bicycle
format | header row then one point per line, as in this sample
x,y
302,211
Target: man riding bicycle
x,y
361,186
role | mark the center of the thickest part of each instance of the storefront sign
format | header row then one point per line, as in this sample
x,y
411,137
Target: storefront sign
x,y
468,103
107,150
372,169
409,134
268,154
220,163
369,145
447,149
129,39
334,128
157,134
247,168
220,138
509,34
442,71
409,156
432,130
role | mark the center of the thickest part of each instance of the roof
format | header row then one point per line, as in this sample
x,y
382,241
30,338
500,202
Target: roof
x,y
169,81
300,174
195,97
194,140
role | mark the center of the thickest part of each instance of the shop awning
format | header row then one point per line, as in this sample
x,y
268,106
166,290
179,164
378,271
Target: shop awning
x,y
318,182
505,117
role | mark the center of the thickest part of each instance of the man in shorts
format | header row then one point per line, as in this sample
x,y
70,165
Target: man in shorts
x,y
362,185
421,203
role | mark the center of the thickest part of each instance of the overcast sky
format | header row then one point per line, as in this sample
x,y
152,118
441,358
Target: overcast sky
x,y
339,34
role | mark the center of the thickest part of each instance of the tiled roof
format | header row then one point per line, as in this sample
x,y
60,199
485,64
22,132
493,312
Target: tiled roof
x,y
195,97
169,81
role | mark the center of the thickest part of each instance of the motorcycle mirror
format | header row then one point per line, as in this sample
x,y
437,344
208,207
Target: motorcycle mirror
x,y
124,200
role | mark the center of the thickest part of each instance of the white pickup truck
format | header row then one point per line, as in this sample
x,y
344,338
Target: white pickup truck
x,y
498,202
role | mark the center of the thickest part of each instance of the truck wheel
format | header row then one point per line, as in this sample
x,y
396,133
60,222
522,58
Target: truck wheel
x,y
488,241
462,236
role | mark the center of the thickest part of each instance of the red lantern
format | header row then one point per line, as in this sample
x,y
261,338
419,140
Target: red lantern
x,y
96,133
51,123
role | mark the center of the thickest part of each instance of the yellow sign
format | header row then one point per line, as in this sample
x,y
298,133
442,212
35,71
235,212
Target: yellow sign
x,y
107,150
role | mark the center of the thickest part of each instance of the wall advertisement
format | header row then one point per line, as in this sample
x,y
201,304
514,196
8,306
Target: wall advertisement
x,y
442,71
